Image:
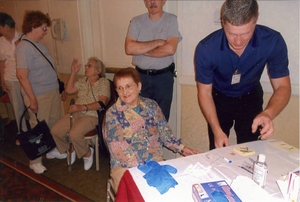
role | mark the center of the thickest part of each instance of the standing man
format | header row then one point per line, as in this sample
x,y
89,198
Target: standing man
x,y
229,64
152,39
9,82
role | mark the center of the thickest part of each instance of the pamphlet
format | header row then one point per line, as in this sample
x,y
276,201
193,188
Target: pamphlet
x,y
214,192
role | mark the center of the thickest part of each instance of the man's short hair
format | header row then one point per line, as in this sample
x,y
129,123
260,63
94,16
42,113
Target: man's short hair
x,y
6,19
239,12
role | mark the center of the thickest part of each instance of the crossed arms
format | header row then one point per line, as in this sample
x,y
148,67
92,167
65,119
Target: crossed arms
x,y
155,48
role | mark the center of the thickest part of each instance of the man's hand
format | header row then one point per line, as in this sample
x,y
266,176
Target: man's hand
x,y
221,140
186,151
63,96
5,88
263,119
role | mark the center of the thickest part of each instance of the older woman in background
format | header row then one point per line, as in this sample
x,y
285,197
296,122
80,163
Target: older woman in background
x,y
93,92
135,128
37,77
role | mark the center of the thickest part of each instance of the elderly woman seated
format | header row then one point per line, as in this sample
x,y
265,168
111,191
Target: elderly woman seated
x,y
135,128
90,90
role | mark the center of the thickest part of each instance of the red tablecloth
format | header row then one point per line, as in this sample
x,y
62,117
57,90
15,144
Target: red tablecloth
x,y
128,191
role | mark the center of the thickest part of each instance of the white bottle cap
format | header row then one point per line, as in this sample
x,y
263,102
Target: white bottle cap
x,y
262,158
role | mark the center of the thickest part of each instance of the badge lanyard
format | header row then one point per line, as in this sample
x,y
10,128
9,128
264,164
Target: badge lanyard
x,y
236,77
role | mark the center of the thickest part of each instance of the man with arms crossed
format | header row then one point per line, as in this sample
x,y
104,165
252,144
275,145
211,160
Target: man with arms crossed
x,y
152,39
229,64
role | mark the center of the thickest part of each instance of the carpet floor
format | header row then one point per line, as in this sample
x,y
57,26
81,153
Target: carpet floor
x,y
18,183
91,184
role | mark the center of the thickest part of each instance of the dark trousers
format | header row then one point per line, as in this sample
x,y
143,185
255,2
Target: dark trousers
x,y
239,111
160,89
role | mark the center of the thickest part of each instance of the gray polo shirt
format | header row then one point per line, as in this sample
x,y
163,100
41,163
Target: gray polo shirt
x,y
142,28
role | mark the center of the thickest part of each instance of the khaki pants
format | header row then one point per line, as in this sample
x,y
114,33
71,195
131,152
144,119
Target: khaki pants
x,y
16,100
81,124
49,110
116,174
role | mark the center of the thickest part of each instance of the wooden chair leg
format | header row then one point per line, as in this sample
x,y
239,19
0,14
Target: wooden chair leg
x,y
97,153
69,153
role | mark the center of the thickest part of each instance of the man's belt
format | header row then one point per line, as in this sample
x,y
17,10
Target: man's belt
x,y
153,72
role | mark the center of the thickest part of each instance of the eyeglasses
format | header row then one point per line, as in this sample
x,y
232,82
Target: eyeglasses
x,y
89,65
129,87
44,28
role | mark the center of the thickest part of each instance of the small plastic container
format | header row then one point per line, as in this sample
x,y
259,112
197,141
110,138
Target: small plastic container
x,y
260,170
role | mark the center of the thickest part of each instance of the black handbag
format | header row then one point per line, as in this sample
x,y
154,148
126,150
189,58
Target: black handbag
x,y
36,141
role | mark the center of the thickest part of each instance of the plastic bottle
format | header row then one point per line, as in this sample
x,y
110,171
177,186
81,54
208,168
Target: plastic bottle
x,y
260,170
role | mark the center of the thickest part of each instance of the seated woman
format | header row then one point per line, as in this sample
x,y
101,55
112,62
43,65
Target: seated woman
x,y
135,128
90,89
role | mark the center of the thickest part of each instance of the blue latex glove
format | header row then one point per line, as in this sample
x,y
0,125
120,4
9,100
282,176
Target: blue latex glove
x,y
159,175
219,196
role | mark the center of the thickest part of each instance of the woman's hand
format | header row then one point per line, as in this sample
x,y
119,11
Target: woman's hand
x,y
77,108
34,106
75,67
63,96
186,151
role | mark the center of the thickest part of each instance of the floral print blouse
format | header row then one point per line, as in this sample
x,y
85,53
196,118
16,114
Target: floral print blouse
x,y
88,94
133,138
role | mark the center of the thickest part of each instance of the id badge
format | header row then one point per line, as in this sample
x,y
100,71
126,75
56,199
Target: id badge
x,y
236,77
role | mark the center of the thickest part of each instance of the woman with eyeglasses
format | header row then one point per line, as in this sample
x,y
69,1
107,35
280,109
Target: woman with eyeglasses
x,y
91,89
37,76
135,128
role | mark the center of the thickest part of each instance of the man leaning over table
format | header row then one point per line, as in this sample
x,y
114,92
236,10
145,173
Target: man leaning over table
x,y
152,39
229,64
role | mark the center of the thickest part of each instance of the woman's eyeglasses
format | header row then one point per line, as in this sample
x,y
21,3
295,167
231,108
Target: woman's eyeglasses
x,y
44,28
89,65
129,87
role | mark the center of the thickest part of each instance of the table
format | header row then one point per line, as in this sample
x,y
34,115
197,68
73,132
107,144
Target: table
x,y
211,166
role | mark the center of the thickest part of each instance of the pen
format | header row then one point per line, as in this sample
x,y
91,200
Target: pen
x,y
246,169
228,161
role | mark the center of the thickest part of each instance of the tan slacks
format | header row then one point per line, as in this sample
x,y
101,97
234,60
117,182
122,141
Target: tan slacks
x,y
49,109
116,174
81,124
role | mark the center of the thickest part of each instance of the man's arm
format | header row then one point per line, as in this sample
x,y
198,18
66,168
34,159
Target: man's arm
x,y
134,47
208,109
155,48
167,49
2,67
22,75
278,101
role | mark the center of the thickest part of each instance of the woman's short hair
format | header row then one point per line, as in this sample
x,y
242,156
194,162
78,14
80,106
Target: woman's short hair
x,y
34,19
99,66
239,12
127,72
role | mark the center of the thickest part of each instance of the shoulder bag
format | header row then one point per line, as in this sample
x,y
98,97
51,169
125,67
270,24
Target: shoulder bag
x,y
36,141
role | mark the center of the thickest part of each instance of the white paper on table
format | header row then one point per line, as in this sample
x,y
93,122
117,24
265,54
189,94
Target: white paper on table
x,y
248,191
289,186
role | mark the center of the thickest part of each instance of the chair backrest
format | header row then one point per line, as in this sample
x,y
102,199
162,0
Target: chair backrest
x,y
101,116
113,94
